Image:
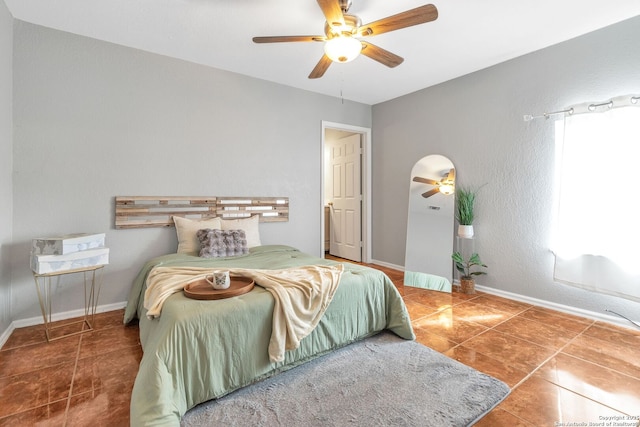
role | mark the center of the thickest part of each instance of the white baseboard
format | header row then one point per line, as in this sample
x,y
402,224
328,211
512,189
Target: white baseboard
x,y
388,265
6,334
615,320
21,323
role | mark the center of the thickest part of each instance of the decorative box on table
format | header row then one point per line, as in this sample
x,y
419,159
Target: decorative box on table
x,y
42,264
67,244
69,252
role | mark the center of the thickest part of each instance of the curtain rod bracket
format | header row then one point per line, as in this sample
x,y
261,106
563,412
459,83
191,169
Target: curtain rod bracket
x,y
592,107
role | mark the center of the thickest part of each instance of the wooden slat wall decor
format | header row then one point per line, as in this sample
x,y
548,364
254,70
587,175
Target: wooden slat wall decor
x,y
150,211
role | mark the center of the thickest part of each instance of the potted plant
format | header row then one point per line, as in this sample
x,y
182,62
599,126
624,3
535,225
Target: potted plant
x,y
467,283
465,200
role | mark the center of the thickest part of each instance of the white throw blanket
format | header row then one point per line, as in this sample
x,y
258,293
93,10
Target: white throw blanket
x,y
301,294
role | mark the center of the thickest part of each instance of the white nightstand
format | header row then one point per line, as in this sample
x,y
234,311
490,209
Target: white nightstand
x,y
92,281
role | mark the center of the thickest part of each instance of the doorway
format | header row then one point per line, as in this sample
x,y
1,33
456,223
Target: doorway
x,y
346,192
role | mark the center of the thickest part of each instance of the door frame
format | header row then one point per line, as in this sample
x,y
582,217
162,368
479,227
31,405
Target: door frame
x,y
365,181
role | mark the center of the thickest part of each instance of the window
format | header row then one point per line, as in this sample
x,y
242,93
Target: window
x,y
597,230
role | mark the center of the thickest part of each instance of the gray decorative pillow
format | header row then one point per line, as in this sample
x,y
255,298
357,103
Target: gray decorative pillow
x,y
216,243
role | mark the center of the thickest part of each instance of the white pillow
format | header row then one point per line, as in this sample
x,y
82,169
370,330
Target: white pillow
x,y
186,230
248,225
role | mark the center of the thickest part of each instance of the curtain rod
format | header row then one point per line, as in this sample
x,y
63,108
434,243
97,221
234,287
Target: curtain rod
x,y
591,107
529,117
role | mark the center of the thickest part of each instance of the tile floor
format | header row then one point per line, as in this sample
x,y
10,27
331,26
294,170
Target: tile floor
x,y
562,369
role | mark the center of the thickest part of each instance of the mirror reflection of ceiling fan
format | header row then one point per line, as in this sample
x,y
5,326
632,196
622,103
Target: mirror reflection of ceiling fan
x,y
445,186
343,33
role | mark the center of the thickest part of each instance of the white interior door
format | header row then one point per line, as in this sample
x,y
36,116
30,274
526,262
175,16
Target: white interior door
x,y
345,198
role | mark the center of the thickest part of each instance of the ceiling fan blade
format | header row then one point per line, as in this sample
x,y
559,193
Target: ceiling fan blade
x,y
430,193
419,15
381,55
320,67
280,39
332,12
425,180
451,177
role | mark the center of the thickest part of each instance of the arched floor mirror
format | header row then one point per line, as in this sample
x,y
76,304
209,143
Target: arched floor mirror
x,y
430,224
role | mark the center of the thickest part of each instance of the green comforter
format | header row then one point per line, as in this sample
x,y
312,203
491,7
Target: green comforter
x,y
201,350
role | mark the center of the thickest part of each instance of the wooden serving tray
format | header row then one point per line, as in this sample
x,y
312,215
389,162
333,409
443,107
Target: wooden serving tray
x,y
202,290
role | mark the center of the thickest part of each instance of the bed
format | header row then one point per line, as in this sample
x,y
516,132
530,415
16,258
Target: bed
x,y
201,350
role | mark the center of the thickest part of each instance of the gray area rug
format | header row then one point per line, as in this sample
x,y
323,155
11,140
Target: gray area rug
x,y
381,381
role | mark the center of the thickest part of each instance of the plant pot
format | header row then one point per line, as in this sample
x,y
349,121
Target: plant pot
x,y
465,231
467,285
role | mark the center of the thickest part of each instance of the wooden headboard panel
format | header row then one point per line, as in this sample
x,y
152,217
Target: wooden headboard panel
x,y
151,211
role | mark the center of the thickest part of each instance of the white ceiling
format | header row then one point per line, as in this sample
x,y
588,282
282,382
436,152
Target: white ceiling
x,y
467,36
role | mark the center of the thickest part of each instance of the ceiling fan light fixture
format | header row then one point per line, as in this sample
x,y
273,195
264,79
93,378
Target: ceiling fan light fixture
x,y
343,48
342,33
446,189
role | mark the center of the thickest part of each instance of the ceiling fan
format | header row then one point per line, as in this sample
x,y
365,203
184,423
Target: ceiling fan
x,y
343,32
445,186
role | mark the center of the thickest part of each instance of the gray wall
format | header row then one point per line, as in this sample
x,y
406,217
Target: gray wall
x,y
477,121
94,120
6,161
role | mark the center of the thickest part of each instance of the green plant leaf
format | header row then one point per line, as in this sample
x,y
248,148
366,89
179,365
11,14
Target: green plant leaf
x,y
465,200
464,266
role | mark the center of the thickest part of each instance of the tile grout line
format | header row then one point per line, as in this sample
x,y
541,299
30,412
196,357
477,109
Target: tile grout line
x,y
560,350
492,328
561,386
554,355
529,375
484,332
436,309
458,344
592,362
73,378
